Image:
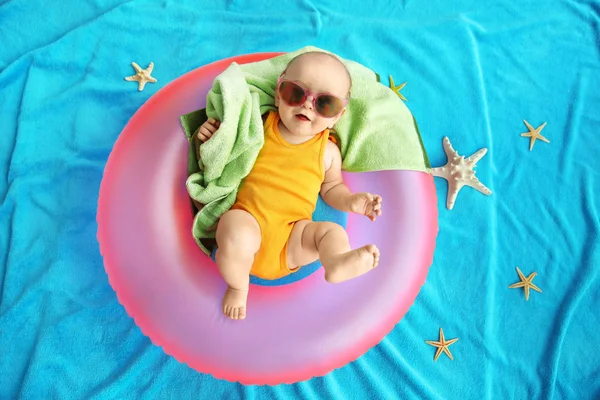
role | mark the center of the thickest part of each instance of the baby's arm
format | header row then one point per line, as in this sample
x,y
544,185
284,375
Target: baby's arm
x,y
335,193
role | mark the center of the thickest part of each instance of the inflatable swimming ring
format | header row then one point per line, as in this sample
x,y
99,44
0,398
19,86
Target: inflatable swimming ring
x,y
173,291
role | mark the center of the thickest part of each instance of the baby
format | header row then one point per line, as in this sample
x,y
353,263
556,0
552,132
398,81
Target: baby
x,y
269,232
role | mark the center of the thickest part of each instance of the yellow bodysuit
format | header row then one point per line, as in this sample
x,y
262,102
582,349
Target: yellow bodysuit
x,y
281,189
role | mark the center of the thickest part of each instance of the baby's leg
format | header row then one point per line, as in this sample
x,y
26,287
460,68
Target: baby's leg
x,y
328,242
238,240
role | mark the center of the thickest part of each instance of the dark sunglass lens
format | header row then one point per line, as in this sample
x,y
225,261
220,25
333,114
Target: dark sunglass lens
x,y
291,93
328,106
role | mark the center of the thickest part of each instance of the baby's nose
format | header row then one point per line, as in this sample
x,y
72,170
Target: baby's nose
x,y
309,102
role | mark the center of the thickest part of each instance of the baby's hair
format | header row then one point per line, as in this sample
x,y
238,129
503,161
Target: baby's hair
x,y
326,54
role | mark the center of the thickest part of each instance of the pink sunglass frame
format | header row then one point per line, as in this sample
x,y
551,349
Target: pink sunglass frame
x,y
314,95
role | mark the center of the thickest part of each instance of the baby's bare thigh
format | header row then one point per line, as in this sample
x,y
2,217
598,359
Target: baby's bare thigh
x,y
238,230
302,249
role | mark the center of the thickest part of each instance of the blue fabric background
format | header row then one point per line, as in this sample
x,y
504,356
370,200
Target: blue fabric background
x,y
475,70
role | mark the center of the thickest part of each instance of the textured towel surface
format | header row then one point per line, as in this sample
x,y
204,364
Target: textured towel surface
x,y
377,132
474,71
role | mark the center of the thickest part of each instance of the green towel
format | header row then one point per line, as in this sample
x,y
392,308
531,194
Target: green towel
x,y
376,133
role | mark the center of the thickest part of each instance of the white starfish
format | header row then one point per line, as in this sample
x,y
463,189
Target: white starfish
x,y
142,76
459,172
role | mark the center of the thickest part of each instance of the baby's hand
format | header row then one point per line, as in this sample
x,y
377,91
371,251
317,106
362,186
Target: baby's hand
x,y
366,204
208,129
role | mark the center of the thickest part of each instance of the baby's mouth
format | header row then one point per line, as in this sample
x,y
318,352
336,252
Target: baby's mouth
x,y
302,117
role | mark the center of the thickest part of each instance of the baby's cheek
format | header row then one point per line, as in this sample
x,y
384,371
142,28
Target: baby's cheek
x,y
319,126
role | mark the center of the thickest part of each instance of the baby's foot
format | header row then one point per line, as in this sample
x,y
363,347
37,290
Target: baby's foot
x,y
341,267
234,303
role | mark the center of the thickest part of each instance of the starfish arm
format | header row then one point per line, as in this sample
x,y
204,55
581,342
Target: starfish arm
x,y
151,79
440,171
136,67
451,341
543,138
476,184
526,287
450,201
131,78
528,125
141,85
531,142
537,289
527,134
453,189
401,96
437,353
392,85
472,160
521,276
517,285
433,343
447,351
442,338
150,68
450,152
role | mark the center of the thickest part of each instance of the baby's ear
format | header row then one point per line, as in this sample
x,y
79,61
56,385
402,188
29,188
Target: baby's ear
x,y
276,101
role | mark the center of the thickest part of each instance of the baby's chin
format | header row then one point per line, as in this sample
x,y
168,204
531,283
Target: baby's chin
x,y
303,132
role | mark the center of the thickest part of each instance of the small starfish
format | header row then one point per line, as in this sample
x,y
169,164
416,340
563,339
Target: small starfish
x,y
534,134
442,345
526,283
459,172
397,89
142,76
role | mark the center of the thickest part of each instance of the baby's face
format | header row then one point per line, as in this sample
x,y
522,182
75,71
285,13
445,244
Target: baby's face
x,y
317,73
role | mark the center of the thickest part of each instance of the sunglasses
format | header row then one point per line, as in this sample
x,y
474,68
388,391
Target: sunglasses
x,y
325,104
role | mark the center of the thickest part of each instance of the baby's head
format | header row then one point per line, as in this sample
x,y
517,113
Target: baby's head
x,y
326,81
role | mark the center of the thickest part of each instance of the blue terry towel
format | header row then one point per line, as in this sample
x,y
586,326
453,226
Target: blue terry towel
x,y
473,71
